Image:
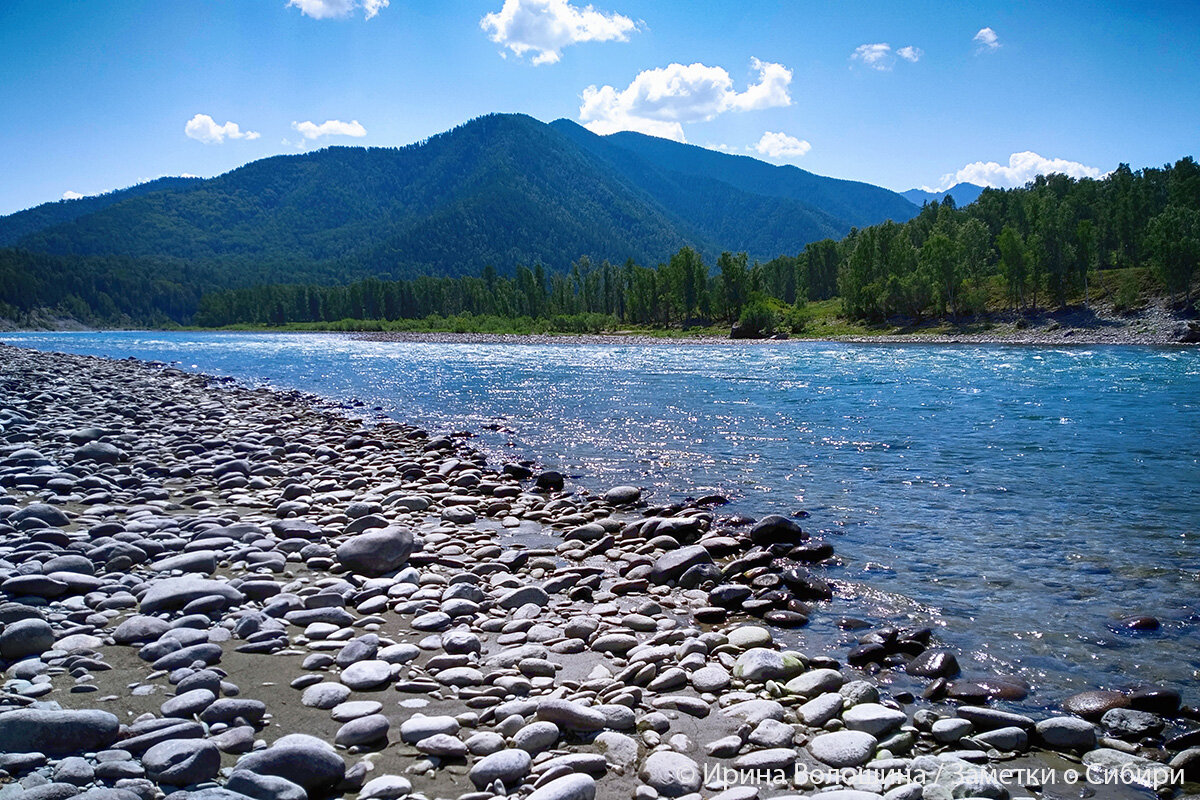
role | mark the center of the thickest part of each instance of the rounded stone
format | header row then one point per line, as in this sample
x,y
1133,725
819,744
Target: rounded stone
x,y
325,695
711,679
363,730
507,766
182,762
843,748
366,675
671,774
745,637
569,787
873,718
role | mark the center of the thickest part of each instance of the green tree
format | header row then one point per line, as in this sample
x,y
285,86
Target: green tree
x,y
1173,238
940,261
735,280
1012,262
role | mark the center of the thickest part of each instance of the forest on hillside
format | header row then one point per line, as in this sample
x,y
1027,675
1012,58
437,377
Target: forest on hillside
x,y
1041,243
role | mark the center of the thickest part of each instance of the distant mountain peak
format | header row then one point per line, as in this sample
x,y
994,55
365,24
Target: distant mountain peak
x,y
963,193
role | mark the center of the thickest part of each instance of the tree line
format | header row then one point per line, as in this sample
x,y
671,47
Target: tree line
x,y
1034,247
1041,242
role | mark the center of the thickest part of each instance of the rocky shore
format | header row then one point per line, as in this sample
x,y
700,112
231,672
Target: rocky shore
x,y
219,592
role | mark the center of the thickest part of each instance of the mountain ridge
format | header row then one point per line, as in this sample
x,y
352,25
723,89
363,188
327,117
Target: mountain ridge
x,y
502,189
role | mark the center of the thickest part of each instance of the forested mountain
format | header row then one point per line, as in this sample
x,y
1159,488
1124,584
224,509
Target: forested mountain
x,y
1038,245
502,190
852,202
16,226
963,193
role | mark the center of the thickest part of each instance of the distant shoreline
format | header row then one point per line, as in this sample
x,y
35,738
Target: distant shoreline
x,y
1153,326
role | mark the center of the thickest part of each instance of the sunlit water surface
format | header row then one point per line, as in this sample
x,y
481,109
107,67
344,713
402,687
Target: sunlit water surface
x,y
1019,499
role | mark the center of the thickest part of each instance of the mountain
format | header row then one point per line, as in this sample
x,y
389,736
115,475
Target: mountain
x,y
848,202
963,193
16,226
503,189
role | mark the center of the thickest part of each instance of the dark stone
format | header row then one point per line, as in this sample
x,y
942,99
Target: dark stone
x,y
227,709
934,664
1139,624
1155,699
811,551
776,529
990,719
1092,705
740,331
700,575
729,595
785,619
807,585
52,516
674,563
853,624
142,737
967,692
710,615
1004,688
26,637
56,733
550,481
936,691
866,654
517,471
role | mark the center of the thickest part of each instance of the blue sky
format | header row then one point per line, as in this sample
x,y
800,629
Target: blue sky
x,y
101,95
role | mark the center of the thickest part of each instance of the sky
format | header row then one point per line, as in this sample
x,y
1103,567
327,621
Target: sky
x,y
96,96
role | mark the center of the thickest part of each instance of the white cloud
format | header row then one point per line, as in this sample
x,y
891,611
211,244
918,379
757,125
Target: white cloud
x,y
876,56
660,100
1021,169
330,127
69,195
545,27
203,128
781,146
987,40
327,9
881,57
723,148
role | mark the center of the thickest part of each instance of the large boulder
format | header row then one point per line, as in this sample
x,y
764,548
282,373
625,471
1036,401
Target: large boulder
x,y
182,762
776,529
674,563
52,516
26,637
377,551
56,733
100,452
175,593
304,760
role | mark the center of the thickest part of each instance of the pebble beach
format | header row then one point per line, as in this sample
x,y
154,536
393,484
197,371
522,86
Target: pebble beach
x,y
214,591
